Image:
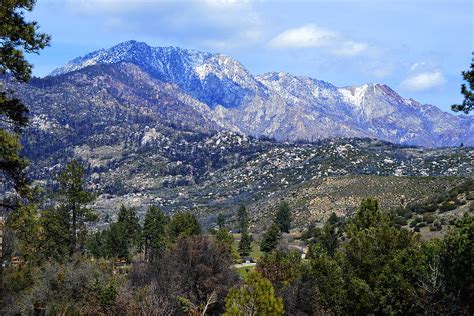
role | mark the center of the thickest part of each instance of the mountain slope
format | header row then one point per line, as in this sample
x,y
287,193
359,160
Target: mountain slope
x,y
285,106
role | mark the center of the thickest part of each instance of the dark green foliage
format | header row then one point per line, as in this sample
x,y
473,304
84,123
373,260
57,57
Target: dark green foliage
x,y
243,218
96,244
17,36
120,240
367,216
457,264
117,243
73,202
283,217
220,220
270,239
25,226
183,225
428,218
72,288
467,91
154,232
57,235
127,217
255,297
245,244
329,277
280,267
224,237
447,206
329,238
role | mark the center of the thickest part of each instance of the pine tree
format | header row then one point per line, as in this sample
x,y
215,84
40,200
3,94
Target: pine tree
x,y
183,225
270,239
127,217
117,243
155,232
17,36
223,237
368,215
73,200
245,244
283,217
220,220
255,297
243,218
468,103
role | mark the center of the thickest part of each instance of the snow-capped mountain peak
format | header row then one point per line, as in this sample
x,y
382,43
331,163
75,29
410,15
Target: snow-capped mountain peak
x,y
285,106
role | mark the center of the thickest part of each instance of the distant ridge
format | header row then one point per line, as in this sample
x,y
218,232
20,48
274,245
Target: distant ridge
x,y
285,106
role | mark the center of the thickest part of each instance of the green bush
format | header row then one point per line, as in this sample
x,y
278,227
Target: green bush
x,y
428,218
400,221
408,215
447,206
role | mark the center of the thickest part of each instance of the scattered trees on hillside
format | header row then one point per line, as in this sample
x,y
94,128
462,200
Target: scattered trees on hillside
x,y
365,265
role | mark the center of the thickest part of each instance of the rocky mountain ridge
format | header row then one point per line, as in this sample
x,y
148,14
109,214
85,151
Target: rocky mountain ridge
x,y
285,106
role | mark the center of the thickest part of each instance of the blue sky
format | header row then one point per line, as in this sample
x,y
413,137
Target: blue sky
x,y
418,47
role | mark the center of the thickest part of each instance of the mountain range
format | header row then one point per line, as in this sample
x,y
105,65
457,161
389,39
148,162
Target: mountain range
x,y
195,131
223,95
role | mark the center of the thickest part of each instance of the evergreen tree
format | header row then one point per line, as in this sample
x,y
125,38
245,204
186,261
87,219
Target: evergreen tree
x,y
243,218
245,244
73,200
270,239
117,242
183,225
222,236
17,36
368,215
220,220
26,225
255,297
329,238
155,232
283,217
127,217
467,91
56,234
96,244
456,259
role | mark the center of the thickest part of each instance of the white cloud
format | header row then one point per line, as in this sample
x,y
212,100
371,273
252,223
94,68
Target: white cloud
x,y
351,48
313,36
219,24
424,81
302,37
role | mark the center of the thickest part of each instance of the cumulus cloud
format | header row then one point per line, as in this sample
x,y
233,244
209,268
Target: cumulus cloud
x,y
424,81
313,36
